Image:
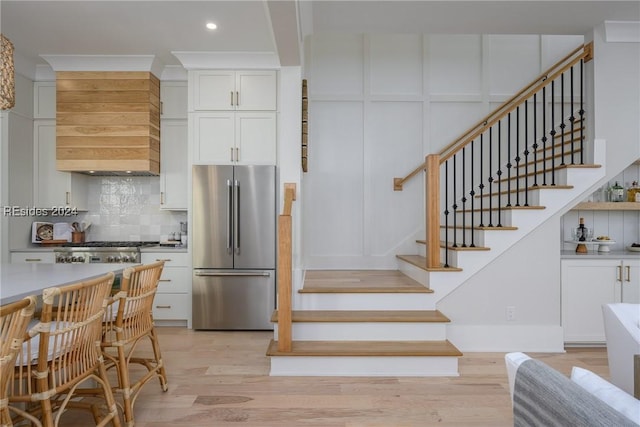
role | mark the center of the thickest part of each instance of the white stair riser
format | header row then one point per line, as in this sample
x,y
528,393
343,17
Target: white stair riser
x,y
466,219
367,331
366,301
365,366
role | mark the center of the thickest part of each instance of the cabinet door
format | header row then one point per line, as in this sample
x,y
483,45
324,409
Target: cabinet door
x,y
51,187
213,90
256,90
631,281
32,257
214,136
173,165
586,285
256,138
174,100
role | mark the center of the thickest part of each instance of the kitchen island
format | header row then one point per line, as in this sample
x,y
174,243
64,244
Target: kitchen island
x,y
20,280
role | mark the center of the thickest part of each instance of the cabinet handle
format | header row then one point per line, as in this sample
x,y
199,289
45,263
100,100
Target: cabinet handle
x,y
162,197
161,107
164,280
628,273
237,154
67,197
231,93
619,275
237,98
33,259
231,149
163,306
165,260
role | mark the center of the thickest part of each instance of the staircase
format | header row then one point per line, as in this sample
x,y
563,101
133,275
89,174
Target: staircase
x,y
386,323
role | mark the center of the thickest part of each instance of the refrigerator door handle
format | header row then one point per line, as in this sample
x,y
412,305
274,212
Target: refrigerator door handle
x,y
229,216
237,274
236,222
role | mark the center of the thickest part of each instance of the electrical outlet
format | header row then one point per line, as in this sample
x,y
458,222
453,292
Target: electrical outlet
x,y
511,313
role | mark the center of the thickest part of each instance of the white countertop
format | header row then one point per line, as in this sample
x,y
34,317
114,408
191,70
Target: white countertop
x,y
20,280
594,254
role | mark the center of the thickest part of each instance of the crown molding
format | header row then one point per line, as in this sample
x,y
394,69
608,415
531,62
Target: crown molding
x,y
104,63
245,60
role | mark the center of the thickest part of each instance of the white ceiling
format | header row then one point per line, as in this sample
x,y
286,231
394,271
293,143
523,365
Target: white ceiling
x,y
116,27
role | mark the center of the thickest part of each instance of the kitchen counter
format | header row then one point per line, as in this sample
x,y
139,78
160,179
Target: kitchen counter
x,y
38,248
594,254
164,249
20,280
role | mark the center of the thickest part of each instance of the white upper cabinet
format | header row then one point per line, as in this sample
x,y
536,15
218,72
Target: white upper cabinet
x,y
53,188
224,90
44,100
234,138
173,97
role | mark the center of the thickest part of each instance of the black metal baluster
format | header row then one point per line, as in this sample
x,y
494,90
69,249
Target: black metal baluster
x,y
464,199
490,176
535,140
455,205
499,173
582,111
544,135
572,119
518,155
553,134
526,151
472,194
509,160
481,186
446,213
562,125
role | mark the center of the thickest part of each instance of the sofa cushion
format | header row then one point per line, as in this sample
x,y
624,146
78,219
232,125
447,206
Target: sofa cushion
x,y
610,394
544,397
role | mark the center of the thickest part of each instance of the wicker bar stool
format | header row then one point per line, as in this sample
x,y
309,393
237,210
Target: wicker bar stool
x,y
14,320
61,353
130,322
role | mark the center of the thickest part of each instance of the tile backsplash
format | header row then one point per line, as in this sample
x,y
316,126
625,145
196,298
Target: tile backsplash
x,y
127,208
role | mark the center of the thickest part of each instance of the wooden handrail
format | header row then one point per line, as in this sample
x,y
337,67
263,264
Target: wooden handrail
x,y
285,264
582,52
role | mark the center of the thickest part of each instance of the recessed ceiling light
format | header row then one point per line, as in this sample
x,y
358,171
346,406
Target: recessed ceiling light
x,y
211,26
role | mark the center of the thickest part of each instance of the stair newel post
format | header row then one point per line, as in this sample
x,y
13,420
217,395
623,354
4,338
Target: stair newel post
x,y
285,266
432,209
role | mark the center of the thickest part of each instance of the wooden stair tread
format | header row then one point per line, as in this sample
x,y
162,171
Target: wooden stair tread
x,y
502,208
484,227
360,281
456,248
424,316
367,348
530,188
420,262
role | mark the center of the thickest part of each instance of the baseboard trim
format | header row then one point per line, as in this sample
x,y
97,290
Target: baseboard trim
x,y
507,338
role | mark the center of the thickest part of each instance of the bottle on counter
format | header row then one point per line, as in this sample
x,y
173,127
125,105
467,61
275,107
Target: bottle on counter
x,y
617,193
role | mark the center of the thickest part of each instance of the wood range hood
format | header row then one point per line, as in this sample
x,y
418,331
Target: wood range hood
x,y
108,122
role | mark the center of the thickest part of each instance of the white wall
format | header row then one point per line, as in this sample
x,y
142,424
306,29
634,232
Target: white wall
x,y
378,104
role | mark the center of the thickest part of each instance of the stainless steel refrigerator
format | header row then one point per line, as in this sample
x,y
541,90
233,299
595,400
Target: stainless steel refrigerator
x,y
234,246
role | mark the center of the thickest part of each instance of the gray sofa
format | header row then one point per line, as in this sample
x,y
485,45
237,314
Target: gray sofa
x,y
542,396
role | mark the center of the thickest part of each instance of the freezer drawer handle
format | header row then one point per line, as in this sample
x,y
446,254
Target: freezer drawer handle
x,y
219,274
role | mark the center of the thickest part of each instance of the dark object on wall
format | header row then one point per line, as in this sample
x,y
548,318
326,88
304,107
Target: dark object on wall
x,y
305,125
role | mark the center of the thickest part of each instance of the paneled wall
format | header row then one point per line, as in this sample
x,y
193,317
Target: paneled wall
x,y
378,105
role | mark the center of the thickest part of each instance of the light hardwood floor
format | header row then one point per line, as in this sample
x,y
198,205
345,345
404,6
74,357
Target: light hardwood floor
x,y
222,379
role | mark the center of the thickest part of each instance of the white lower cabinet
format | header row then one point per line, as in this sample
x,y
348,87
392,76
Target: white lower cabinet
x,y
586,286
33,257
173,298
